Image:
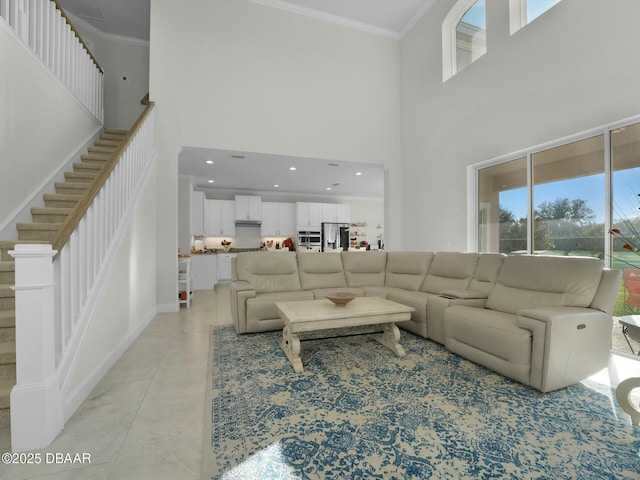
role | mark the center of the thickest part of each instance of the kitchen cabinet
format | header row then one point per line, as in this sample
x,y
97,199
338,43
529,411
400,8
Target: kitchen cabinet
x,y
205,271
337,213
196,213
185,288
248,208
224,266
308,216
278,219
220,218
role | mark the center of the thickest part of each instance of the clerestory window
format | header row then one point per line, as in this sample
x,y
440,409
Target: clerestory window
x,y
523,12
464,36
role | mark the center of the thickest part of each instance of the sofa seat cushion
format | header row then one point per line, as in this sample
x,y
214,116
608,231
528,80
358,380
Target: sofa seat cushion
x,y
320,293
417,300
491,332
377,291
262,306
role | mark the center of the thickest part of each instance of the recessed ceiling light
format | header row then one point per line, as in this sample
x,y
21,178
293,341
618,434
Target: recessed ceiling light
x,y
276,185
292,169
210,181
328,188
209,162
358,173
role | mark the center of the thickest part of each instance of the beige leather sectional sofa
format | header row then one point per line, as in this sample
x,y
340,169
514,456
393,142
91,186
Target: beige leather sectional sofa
x,y
543,321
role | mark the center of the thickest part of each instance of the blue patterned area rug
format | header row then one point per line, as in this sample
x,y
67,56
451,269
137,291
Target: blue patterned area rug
x,y
360,412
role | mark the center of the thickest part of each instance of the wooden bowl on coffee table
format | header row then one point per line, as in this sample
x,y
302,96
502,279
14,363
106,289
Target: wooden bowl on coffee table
x,y
340,299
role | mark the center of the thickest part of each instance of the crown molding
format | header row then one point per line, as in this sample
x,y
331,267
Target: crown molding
x,y
108,36
418,15
327,17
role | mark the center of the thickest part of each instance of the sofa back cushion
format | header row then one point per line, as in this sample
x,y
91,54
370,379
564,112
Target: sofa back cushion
x,y
364,269
450,271
538,281
484,278
269,272
407,269
321,270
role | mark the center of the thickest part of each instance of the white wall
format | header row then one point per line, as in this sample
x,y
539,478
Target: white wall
x,y
41,125
241,76
128,301
119,57
576,67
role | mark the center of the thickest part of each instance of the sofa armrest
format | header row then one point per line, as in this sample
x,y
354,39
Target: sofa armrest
x,y
462,294
568,344
240,291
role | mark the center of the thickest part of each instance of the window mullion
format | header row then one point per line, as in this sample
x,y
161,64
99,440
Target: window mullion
x,y
530,221
608,196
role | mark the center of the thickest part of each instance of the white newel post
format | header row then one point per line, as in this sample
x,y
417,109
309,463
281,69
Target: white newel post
x,y
36,411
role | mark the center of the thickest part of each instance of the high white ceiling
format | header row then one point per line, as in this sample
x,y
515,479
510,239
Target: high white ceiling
x,y
130,18
260,172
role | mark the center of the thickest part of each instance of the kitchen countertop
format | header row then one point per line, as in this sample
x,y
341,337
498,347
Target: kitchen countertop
x,y
232,250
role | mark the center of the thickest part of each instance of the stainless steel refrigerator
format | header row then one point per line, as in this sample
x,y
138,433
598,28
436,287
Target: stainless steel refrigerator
x,y
335,235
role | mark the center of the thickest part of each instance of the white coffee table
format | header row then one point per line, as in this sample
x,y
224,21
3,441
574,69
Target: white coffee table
x,y
312,315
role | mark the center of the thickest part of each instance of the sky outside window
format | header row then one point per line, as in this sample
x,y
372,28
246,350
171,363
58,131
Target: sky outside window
x,y
535,8
476,15
590,189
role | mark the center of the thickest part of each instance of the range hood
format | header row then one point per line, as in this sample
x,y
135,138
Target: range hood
x,y
249,222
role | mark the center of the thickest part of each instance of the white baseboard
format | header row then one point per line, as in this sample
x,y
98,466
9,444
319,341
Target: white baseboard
x,y
72,400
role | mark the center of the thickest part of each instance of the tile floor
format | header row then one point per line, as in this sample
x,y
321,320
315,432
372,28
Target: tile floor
x,y
144,419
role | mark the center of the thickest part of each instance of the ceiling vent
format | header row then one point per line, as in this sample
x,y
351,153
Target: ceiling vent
x,y
237,156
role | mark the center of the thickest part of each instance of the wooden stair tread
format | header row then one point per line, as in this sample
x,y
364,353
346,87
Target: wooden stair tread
x,y
38,226
7,353
10,244
118,137
7,266
102,149
6,385
6,291
116,131
84,166
88,176
7,318
51,210
62,196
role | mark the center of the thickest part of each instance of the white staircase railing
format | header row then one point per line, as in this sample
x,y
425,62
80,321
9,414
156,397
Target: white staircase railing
x,y
55,301
45,28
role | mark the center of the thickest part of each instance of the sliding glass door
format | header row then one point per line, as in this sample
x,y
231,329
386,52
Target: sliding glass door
x,y
565,200
568,194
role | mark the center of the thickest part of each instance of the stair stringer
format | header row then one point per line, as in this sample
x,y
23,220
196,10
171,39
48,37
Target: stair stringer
x,y
8,230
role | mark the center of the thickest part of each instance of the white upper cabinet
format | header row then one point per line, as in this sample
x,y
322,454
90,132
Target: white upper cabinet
x,y
220,218
329,212
343,213
196,213
334,212
278,219
309,216
248,208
